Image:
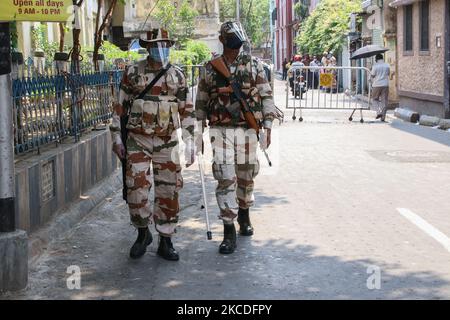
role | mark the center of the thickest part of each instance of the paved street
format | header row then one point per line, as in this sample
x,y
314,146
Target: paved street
x,y
344,202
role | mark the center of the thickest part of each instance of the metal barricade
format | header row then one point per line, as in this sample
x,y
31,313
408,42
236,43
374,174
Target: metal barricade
x,y
328,88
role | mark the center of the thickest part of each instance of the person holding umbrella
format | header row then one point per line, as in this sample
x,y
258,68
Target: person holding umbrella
x,y
380,85
380,76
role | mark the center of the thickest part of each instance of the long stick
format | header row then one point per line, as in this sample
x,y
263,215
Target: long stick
x,y
205,202
263,149
267,157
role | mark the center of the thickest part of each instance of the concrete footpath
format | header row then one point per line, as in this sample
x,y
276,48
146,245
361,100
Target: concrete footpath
x,y
349,211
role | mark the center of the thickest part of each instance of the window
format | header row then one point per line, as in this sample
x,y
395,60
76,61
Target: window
x,y
407,28
425,25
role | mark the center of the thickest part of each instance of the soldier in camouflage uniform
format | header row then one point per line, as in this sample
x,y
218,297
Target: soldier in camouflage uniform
x,y
152,139
234,145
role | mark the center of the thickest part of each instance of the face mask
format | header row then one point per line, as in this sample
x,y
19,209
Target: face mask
x,y
159,54
233,42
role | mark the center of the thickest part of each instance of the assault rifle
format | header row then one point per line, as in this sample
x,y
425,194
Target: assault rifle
x,y
219,65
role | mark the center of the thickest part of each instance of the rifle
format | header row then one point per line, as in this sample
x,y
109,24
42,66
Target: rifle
x,y
123,113
124,137
124,121
219,65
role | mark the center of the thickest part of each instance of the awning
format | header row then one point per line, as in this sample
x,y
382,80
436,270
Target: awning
x,y
398,3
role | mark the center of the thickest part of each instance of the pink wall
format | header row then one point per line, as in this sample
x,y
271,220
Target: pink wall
x,y
283,29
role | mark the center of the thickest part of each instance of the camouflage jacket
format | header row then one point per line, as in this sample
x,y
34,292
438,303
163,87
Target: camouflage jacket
x,y
223,109
167,107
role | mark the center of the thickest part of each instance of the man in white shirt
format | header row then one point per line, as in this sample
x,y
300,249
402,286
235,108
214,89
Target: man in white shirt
x,y
380,85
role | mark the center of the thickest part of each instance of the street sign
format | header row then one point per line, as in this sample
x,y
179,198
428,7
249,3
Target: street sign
x,y
36,10
326,79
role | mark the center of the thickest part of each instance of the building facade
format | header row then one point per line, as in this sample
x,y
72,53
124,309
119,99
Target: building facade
x,y
423,55
286,26
284,32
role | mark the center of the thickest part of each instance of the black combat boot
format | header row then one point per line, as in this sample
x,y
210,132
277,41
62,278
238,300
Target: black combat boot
x,y
140,246
166,250
245,226
228,244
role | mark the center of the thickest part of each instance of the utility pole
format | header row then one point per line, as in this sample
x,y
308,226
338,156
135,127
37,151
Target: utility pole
x,y
13,243
7,223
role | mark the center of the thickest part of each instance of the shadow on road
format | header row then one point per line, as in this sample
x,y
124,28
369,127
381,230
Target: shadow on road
x,y
273,264
436,135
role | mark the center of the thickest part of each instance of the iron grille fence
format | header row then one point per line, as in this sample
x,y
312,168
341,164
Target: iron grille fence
x,y
50,107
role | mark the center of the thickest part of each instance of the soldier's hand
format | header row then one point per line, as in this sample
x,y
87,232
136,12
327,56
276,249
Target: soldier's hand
x,y
118,108
119,150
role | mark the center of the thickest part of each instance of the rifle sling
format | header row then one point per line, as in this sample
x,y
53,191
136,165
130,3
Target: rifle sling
x,y
153,82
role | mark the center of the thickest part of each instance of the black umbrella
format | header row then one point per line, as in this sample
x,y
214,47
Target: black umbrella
x,y
368,51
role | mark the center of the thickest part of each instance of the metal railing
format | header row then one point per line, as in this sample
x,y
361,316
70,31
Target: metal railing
x,y
330,88
48,108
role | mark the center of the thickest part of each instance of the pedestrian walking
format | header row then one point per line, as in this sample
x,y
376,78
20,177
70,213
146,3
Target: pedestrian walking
x,y
285,69
380,85
154,97
233,140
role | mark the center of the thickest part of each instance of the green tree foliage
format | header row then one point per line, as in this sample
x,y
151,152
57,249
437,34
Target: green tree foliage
x,y
186,21
14,36
200,50
113,52
301,10
165,13
325,29
254,16
179,20
40,42
193,53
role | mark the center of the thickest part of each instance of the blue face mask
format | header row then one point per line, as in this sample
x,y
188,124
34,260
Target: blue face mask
x,y
159,54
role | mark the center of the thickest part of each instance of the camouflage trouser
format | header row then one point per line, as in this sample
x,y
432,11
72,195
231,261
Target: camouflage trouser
x,y
235,167
163,152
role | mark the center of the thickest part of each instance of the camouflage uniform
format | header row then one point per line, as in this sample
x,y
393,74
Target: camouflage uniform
x,y
235,163
152,138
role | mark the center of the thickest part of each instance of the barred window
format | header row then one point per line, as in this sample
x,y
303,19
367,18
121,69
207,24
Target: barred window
x,y
425,25
408,28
